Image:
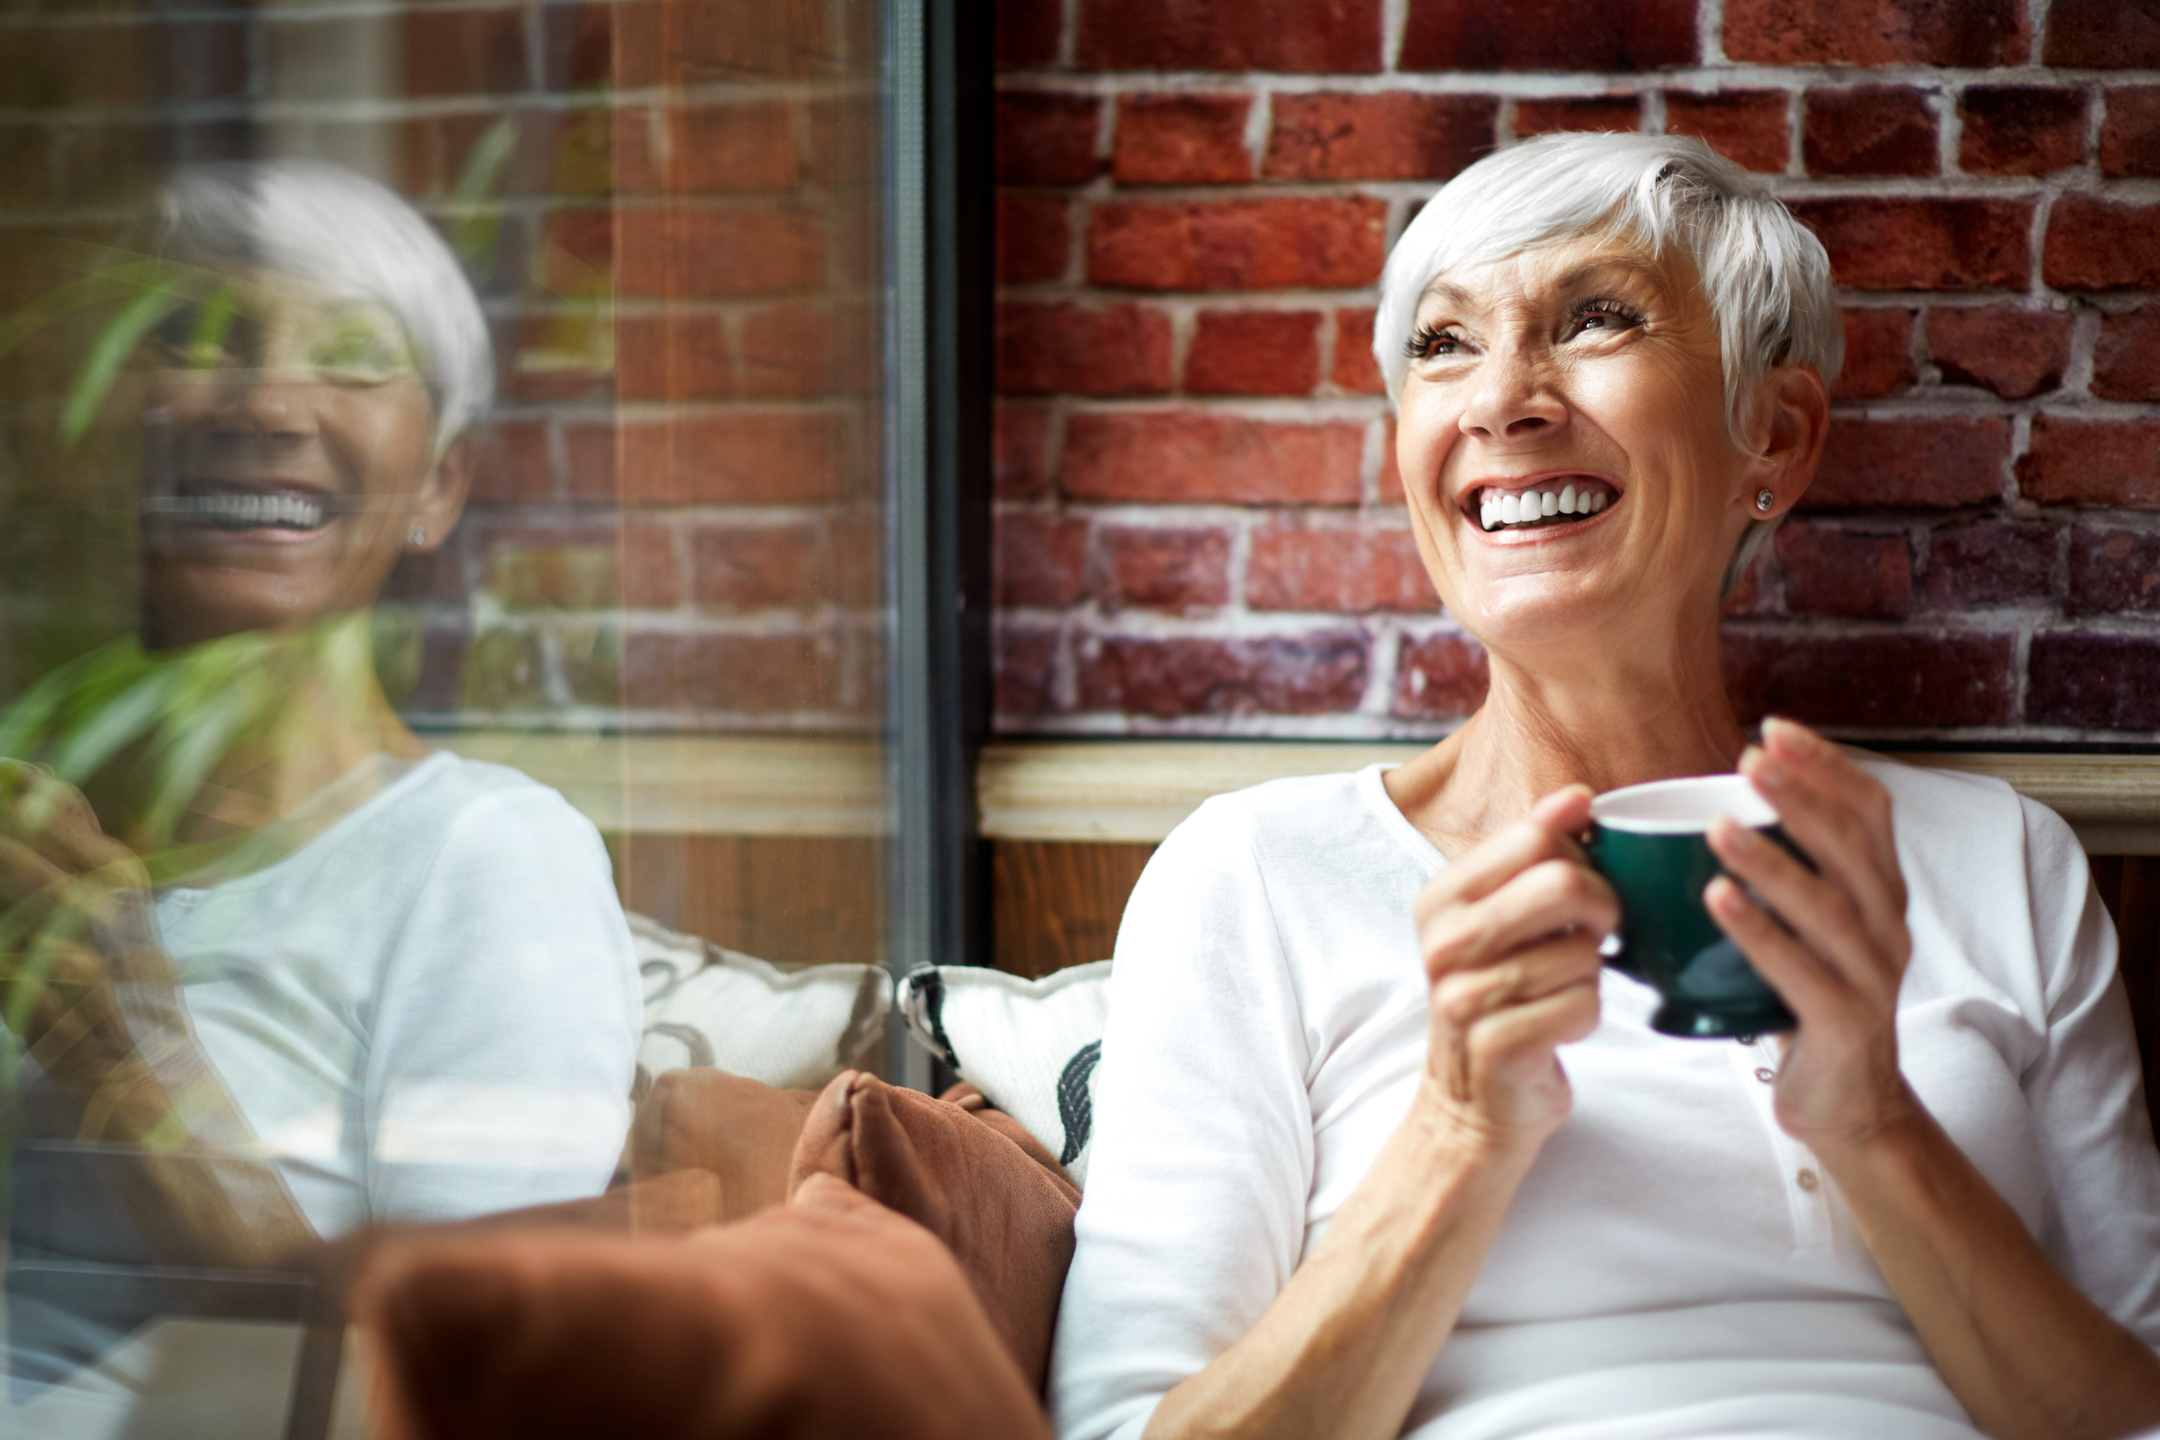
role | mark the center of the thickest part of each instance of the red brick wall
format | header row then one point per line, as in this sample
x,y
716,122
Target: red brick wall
x,y
678,521
1198,525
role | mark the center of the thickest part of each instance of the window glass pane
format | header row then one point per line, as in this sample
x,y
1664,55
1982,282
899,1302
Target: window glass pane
x,y
440,513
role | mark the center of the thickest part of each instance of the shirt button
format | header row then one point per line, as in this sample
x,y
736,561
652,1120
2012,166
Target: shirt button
x,y
1765,1074
1808,1179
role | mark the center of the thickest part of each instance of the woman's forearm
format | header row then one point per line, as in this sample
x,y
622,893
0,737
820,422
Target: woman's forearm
x,y
1347,1343
2026,1354
184,1172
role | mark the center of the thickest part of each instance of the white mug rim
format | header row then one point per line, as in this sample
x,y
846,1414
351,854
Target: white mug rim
x,y
1685,806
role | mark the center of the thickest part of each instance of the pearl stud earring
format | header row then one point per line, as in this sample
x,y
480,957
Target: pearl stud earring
x,y
1764,499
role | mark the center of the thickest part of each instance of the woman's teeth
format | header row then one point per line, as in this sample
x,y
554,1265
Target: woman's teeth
x,y
244,510
1535,507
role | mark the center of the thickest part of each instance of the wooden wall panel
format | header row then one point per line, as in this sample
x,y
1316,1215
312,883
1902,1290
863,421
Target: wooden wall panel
x,y
2130,884
785,898
1055,903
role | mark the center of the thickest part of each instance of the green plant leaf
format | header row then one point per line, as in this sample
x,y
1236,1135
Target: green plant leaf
x,y
113,726
97,288
121,334
474,234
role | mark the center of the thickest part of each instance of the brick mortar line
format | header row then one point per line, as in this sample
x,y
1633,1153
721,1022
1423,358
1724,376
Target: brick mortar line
x,y
1338,408
539,98
1710,32
523,208
647,307
687,619
1795,137
1394,21
1383,660
1323,725
1197,623
609,721
1372,459
1934,624
1167,515
643,412
2113,626
2036,18
1104,189
1926,399
1066,678
1068,41
591,409
263,15
1949,118
1370,519
2097,300
1908,407
1283,299
1563,84
1237,573
716,514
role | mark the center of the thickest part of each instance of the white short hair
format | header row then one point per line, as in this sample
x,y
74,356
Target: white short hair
x,y
1766,275
330,226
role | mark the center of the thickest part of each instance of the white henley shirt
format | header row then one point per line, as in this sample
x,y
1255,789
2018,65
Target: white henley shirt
x,y
1674,1265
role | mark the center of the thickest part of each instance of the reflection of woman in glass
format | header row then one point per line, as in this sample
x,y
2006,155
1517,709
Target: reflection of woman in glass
x,y
384,982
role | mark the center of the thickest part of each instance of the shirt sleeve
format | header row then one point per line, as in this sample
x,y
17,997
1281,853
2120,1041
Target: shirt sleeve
x,y
2101,1223
1194,1216
506,1027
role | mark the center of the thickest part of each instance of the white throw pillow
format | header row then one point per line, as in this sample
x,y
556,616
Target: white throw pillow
x,y
794,1027
1029,1045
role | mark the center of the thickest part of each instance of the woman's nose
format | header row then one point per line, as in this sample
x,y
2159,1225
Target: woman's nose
x,y
1513,399
265,402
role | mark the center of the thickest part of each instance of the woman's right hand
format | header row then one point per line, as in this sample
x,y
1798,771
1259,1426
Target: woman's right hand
x,y
1510,935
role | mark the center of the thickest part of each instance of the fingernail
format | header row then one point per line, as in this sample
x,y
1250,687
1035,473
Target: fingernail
x,y
1790,734
1768,772
1724,896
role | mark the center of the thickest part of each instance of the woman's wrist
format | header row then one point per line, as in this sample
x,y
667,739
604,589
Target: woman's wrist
x,y
1897,1130
1451,1137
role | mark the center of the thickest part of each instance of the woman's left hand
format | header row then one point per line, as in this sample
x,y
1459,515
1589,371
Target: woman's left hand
x,y
81,974
1840,953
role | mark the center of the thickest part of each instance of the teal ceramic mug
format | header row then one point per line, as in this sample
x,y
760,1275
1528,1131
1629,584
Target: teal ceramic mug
x,y
1648,842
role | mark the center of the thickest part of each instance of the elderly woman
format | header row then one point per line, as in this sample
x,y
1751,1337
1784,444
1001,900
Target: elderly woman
x,y
1381,1148
374,981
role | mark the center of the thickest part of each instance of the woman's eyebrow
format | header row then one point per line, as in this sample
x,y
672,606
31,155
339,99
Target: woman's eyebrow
x,y
1586,275
1448,293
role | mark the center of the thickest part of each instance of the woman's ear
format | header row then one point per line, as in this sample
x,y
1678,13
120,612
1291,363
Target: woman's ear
x,y
441,498
1792,420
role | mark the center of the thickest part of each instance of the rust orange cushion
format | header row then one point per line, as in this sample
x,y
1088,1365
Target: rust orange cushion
x,y
831,1318
973,1176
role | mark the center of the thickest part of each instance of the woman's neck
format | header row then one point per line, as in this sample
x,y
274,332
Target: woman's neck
x,y
1602,720
335,718
259,783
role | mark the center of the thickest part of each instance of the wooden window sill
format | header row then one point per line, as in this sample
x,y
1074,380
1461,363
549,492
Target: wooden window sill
x,y
1137,790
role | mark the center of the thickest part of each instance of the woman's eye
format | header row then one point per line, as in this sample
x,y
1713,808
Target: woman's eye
x,y
359,354
197,337
1605,317
1426,343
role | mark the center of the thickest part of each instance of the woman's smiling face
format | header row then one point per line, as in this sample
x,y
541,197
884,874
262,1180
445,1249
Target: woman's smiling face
x,y
1588,372
292,452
